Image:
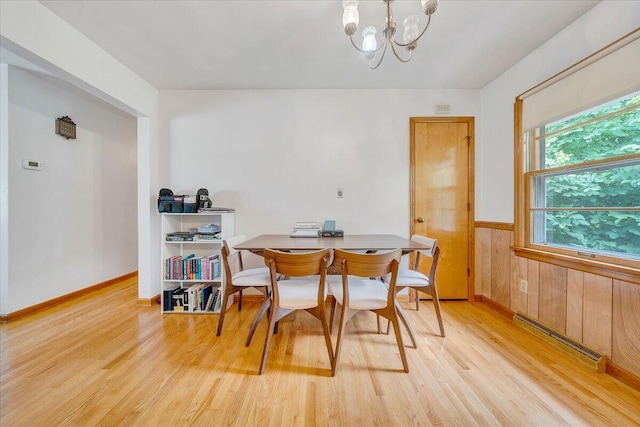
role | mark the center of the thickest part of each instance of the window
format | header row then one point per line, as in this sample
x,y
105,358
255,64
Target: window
x,y
582,177
577,170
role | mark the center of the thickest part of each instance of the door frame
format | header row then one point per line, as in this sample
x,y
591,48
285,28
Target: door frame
x,y
470,121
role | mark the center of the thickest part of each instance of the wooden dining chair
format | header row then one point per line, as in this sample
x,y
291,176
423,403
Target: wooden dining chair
x,y
303,289
237,278
361,290
419,282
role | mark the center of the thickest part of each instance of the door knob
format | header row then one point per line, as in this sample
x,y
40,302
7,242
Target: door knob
x,y
420,219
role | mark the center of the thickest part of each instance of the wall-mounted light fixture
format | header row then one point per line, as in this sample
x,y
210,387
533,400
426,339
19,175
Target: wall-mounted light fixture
x,y
65,127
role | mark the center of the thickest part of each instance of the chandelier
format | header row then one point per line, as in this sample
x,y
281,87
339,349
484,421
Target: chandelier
x,y
370,46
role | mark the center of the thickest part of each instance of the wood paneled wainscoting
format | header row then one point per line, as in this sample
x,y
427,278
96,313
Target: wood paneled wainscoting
x,y
600,312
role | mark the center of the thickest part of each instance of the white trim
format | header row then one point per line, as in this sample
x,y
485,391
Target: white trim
x,y
4,189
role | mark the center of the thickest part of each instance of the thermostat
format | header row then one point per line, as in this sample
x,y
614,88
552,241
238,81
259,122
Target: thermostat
x,y
31,164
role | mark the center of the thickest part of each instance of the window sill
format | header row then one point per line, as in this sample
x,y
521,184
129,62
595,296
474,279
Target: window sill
x,y
618,272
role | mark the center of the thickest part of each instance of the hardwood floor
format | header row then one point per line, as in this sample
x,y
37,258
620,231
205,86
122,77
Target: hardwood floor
x,y
103,360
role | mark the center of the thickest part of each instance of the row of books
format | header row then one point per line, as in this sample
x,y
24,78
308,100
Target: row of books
x,y
306,229
190,267
195,298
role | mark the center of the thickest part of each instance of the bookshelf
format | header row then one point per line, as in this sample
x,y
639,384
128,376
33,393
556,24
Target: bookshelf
x,y
192,271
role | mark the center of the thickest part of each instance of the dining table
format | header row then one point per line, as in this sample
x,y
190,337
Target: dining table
x,y
351,242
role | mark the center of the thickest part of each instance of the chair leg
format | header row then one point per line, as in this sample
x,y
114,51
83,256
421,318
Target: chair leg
x,y
239,300
416,295
320,313
223,310
396,329
333,312
264,308
388,325
436,305
403,317
267,341
341,327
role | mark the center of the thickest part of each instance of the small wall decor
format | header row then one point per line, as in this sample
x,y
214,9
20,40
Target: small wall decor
x,y
65,127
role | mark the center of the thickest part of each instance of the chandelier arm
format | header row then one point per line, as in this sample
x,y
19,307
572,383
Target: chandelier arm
x,y
381,56
366,51
398,56
416,39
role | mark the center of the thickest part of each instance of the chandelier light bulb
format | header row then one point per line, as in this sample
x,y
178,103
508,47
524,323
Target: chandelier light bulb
x,y
411,31
350,16
369,42
430,6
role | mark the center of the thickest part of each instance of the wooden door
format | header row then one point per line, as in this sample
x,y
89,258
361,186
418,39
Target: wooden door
x,y
442,197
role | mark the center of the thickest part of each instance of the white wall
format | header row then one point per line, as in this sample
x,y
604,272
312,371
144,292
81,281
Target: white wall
x,y
32,31
278,156
603,24
74,223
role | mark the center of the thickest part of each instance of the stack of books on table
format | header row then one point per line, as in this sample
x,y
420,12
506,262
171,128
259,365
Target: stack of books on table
x,y
306,229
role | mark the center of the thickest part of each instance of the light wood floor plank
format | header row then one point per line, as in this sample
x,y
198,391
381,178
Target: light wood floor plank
x,y
103,360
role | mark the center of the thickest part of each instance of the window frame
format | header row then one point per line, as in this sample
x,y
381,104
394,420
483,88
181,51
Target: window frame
x,y
613,268
533,211
528,158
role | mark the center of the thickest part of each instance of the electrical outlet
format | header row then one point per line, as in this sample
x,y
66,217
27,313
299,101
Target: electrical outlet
x,y
523,286
339,193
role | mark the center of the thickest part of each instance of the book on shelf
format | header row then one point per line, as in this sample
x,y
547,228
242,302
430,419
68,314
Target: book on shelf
x,y
218,302
185,264
206,237
177,299
180,236
205,294
216,209
209,302
167,298
214,303
215,267
195,297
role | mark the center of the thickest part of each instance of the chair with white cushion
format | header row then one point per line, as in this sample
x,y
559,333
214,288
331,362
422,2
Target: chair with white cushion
x,y
419,282
361,290
303,289
236,278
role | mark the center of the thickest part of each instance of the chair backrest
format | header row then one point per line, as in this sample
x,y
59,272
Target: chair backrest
x,y
231,258
427,241
433,253
367,265
232,241
298,264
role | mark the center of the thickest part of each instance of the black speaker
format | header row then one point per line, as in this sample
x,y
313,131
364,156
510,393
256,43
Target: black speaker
x,y
332,233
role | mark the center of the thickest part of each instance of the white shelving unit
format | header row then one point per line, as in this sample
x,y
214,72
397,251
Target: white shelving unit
x,y
176,251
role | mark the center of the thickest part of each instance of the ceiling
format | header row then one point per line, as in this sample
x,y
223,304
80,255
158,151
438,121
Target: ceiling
x,y
300,44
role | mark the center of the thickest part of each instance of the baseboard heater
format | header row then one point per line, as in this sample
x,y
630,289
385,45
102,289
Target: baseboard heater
x,y
591,358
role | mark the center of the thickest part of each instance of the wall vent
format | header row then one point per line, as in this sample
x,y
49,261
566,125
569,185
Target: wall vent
x,y
442,109
591,358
